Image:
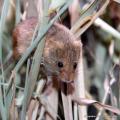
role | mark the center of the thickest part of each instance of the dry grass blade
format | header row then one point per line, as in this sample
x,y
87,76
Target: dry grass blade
x,y
118,1
33,109
48,108
104,100
70,107
75,111
106,116
67,105
106,27
34,104
42,112
34,114
82,101
53,98
80,87
84,22
87,13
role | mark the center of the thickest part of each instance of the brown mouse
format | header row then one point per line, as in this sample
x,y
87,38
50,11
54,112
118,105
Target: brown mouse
x,y
61,53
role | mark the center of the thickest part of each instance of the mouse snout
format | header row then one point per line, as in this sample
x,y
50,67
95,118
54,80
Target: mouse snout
x,y
67,77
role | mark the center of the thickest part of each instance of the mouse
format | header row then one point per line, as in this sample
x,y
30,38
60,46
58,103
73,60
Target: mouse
x,y
61,52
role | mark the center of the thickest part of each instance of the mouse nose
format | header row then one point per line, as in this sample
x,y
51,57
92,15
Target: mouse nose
x,y
67,77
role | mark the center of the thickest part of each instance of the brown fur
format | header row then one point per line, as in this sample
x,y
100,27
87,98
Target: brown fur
x,y
60,46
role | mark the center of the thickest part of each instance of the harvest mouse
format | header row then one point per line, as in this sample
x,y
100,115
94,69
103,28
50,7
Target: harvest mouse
x,y
61,52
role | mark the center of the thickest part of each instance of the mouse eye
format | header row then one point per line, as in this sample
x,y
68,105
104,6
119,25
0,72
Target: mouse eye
x,y
60,64
75,66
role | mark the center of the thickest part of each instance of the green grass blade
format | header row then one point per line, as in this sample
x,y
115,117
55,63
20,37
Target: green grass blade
x,y
38,53
26,92
2,23
18,12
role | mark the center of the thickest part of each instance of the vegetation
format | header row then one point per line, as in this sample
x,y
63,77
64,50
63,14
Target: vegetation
x,y
96,93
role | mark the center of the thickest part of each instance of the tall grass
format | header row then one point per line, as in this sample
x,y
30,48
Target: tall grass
x,y
21,95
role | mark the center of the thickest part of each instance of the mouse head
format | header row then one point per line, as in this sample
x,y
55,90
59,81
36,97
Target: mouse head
x,y
61,53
